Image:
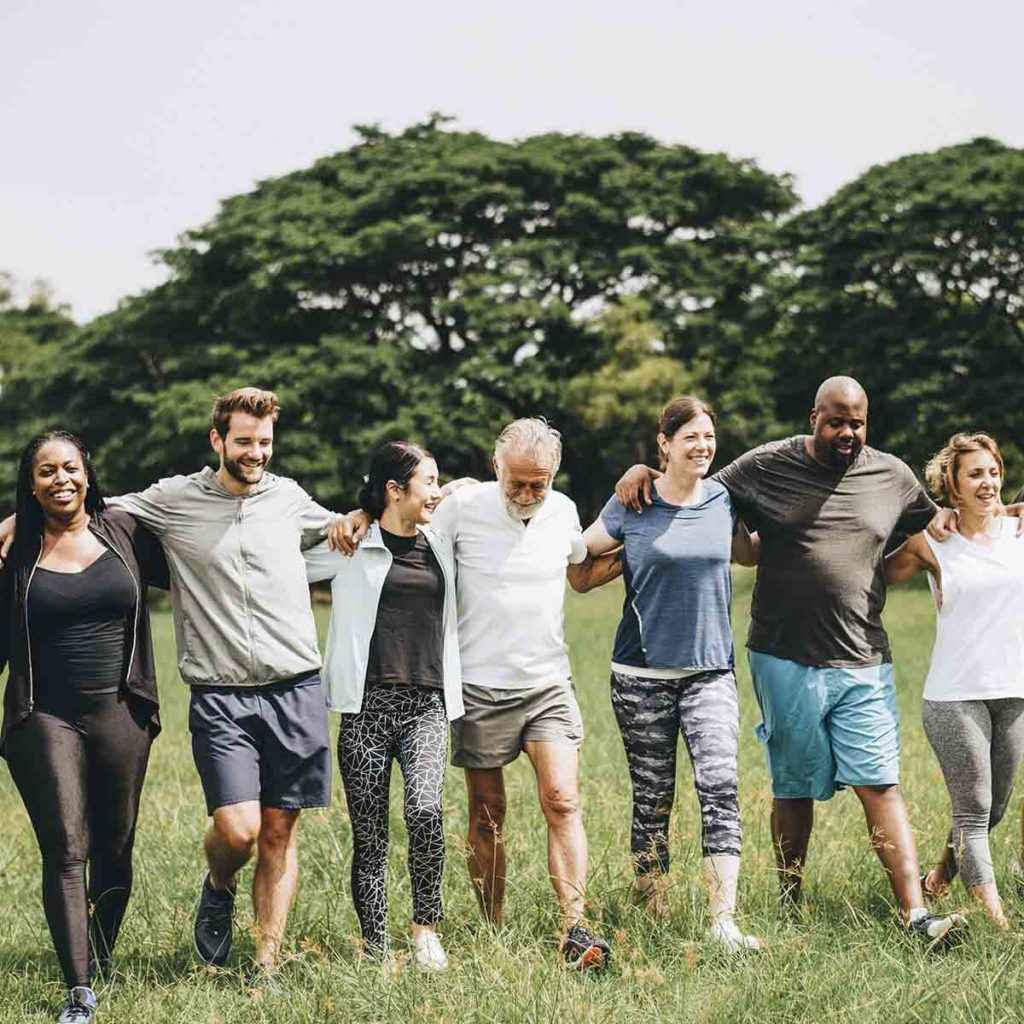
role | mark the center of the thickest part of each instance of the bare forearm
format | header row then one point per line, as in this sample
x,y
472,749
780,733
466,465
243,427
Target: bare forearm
x,y
595,571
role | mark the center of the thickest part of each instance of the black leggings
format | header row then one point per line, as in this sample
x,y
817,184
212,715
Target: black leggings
x,y
407,724
80,776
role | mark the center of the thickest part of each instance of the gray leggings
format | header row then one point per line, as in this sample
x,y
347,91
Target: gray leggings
x,y
979,744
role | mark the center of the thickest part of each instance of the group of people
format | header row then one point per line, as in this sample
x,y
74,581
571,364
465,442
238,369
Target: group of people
x,y
447,619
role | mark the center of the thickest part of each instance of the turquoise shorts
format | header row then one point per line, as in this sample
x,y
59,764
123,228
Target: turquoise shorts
x,y
826,728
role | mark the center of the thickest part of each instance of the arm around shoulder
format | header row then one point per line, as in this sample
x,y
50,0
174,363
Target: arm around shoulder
x,y
910,558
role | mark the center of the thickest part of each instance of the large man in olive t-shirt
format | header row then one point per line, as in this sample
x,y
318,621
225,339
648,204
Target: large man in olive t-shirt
x,y
824,506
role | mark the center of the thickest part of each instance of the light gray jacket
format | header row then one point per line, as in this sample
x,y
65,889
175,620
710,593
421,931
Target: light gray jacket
x,y
356,585
238,580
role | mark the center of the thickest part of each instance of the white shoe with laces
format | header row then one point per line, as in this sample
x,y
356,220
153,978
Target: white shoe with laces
x,y
427,952
726,933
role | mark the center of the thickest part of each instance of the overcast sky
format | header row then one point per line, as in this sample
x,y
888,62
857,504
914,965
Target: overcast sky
x,y
125,122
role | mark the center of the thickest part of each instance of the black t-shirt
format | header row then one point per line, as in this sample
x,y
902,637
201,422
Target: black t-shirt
x,y
820,585
407,647
77,625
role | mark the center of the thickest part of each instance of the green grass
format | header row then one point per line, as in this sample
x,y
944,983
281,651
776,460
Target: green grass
x,y
846,961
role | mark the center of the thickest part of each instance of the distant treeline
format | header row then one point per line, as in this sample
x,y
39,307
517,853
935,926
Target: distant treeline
x,y
435,283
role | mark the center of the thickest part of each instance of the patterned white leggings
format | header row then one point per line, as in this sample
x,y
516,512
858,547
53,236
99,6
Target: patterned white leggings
x,y
407,724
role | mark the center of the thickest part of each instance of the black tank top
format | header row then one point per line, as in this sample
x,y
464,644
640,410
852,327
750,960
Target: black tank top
x,y
77,625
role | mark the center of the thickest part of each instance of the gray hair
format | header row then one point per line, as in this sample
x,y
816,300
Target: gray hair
x,y
532,436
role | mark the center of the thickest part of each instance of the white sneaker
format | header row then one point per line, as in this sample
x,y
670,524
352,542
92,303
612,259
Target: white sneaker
x,y
427,952
726,933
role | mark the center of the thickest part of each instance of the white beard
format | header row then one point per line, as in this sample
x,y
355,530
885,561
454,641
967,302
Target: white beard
x,y
520,512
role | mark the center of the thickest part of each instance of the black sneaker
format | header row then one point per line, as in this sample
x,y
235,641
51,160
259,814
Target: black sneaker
x,y
939,932
582,950
80,1007
213,924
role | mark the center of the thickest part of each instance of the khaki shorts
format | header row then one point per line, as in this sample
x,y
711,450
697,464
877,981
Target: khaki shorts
x,y
497,723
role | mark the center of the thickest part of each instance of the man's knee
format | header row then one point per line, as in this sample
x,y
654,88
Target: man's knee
x,y
560,803
277,828
487,812
236,832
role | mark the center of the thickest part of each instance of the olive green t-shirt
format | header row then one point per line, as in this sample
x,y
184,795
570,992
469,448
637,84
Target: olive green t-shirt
x,y
820,585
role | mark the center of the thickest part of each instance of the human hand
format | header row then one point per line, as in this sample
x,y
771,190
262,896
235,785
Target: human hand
x,y
347,531
453,485
635,484
943,525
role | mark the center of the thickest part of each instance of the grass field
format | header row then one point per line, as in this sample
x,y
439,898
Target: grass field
x,y
846,961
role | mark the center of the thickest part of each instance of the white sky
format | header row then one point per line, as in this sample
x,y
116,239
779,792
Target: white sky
x,y
124,122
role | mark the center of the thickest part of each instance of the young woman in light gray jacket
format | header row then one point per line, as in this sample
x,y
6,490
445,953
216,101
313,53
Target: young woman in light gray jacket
x,y
392,670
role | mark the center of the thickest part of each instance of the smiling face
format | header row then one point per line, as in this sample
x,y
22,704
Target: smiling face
x,y
840,425
978,482
525,480
246,450
59,481
691,449
416,502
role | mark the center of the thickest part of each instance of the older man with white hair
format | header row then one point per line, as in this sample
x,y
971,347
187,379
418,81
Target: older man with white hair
x,y
514,539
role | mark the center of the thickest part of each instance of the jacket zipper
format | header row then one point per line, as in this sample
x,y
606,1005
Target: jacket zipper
x,y
28,636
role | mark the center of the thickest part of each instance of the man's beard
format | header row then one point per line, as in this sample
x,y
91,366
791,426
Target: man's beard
x,y
830,455
235,469
522,512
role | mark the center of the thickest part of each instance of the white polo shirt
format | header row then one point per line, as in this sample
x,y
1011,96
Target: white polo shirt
x,y
511,585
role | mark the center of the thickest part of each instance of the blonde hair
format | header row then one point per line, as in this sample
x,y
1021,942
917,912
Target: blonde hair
x,y
940,472
254,401
530,436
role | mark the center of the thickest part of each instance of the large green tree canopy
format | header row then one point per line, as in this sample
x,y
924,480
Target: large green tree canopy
x,y
912,280
434,283
430,283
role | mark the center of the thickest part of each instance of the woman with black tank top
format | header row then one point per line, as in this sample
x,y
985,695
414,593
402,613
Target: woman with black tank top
x,y
80,708
392,669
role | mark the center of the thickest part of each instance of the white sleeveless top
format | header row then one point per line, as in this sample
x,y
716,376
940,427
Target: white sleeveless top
x,y
979,635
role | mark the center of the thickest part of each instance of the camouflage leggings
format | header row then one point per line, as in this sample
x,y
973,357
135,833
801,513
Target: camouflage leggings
x,y
651,713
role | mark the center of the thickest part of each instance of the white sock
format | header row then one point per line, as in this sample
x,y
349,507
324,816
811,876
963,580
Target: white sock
x,y
917,913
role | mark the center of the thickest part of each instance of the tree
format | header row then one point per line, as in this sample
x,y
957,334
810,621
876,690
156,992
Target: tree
x,y
431,282
910,279
31,331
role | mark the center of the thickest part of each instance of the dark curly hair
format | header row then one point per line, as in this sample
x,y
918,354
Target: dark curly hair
x,y
30,514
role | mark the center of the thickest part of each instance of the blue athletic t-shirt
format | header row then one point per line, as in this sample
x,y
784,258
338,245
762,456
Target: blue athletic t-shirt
x,y
678,588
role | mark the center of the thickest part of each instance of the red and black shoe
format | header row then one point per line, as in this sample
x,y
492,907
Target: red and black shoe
x,y
582,950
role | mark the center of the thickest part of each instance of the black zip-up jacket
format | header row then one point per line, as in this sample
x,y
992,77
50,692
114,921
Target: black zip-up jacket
x,y
143,556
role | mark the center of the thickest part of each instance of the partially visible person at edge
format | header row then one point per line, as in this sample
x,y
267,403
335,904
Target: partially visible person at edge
x,y
80,708
392,670
973,710
514,540
672,664
247,647
824,505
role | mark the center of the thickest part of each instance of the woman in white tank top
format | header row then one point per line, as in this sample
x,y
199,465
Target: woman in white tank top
x,y
973,710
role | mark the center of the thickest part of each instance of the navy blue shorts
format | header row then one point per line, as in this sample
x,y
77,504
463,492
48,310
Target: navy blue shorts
x,y
266,743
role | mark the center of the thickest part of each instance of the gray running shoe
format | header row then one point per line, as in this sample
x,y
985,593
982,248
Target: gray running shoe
x,y
80,1007
939,932
213,924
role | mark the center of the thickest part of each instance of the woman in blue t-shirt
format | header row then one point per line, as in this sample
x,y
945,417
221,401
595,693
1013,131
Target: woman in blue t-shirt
x,y
672,665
